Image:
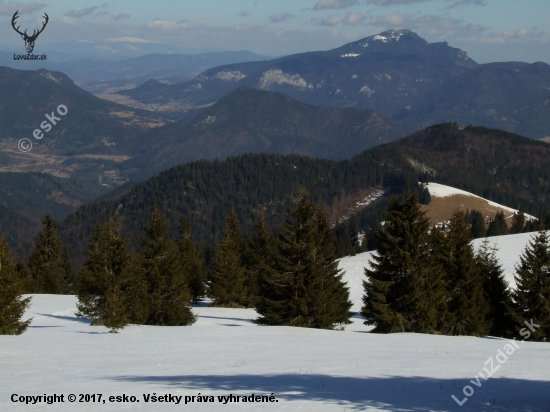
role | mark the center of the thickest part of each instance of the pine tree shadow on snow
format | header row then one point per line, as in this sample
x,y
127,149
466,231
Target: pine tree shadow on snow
x,y
71,318
391,393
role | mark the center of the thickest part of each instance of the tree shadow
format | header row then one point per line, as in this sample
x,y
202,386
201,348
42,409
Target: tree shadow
x,y
31,326
405,394
245,320
71,318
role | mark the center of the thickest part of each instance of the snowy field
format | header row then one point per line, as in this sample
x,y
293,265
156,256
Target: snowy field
x,y
304,369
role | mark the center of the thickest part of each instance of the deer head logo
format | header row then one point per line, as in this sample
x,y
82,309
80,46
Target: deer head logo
x,y
29,40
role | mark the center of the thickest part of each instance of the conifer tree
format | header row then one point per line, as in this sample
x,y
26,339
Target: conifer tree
x,y
425,197
303,287
111,288
478,226
518,221
168,291
68,273
191,262
532,294
497,293
498,226
12,305
45,263
258,257
466,303
229,277
404,290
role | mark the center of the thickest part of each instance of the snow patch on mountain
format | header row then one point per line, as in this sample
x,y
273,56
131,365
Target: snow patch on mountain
x,y
439,190
351,55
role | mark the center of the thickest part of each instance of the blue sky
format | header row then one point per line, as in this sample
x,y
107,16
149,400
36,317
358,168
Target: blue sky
x,y
489,30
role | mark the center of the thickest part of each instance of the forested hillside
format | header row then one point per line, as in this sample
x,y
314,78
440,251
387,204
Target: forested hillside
x,y
489,163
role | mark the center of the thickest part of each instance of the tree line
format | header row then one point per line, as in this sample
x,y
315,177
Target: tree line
x,y
290,276
428,281
420,280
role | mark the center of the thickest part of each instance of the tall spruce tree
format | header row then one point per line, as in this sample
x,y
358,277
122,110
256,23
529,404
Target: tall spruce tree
x,y
167,287
191,262
404,290
258,258
466,303
229,277
303,287
45,263
111,288
532,294
12,305
497,293
68,272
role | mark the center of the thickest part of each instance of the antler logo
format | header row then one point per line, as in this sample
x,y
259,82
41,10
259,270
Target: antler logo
x,y
29,40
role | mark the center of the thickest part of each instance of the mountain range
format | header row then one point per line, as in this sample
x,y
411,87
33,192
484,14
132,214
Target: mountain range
x,y
97,138
99,76
412,81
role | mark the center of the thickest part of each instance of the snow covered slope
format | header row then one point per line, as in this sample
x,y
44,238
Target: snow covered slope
x,y
509,249
224,353
447,199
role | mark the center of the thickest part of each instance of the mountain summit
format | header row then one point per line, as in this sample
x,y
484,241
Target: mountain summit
x,y
385,71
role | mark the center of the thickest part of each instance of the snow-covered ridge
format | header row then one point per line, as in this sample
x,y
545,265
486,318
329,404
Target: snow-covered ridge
x,y
386,37
439,190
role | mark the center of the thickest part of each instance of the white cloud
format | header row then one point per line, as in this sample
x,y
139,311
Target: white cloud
x,y
349,19
279,18
80,12
129,40
121,16
8,9
168,25
334,4
406,2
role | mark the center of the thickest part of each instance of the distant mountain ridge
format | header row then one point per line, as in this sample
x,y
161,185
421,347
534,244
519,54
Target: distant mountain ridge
x,y
252,121
412,81
99,75
366,74
100,139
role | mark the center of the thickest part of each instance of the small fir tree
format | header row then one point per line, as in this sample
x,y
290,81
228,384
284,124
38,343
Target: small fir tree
x,y
229,277
498,226
45,263
404,290
497,293
518,221
111,289
191,262
466,303
478,226
303,287
167,288
12,305
425,197
532,294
